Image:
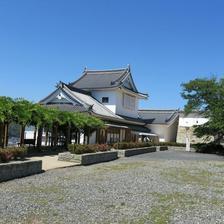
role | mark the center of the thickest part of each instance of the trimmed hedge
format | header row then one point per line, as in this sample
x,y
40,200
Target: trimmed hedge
x,y
211,148
171,144
14,153
81,149
131,145
43,149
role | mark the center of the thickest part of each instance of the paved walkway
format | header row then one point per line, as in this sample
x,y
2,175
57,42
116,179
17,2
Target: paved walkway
x,y
51,162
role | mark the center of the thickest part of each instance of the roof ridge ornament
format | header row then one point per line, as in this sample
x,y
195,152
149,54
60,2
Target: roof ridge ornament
x,y
59,84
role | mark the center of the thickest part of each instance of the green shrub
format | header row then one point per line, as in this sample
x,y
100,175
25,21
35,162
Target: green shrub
x,y
9,154
211,148
81,149
171,144
44,150
103,147
19,152
5,155
131,145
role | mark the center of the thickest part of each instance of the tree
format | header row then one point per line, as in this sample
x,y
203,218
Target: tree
x,y
91,124
6,117
206,96
22,114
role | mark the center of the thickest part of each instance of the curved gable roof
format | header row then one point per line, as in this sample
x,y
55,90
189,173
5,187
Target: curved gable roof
x,y
102,79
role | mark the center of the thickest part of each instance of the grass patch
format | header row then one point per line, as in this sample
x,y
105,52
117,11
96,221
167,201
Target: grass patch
x,y
221,165
166,205
120,166
199,177
193,176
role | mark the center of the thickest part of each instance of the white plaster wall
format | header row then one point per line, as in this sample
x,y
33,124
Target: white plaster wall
x,y
111,105
189,122
172,132
159,130
123,111
115,102
165,133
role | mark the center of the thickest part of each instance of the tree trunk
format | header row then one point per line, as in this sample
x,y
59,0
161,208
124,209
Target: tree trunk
x,y
39,137
78,142
35,135
6,130
46,137
22,131
1,134
68,137
76,137
55,141
52,136
88,136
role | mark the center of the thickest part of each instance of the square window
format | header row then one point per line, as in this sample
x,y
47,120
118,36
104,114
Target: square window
x,y
105,99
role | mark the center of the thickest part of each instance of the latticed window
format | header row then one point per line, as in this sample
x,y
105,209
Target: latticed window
x,y
128,101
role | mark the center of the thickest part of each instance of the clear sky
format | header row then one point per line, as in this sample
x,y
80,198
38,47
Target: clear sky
x,y
165,42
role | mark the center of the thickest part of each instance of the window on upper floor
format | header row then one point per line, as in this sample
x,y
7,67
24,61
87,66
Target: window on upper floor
x,y
129,101
105,99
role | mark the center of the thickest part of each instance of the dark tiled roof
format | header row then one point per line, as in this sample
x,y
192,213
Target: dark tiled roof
x,y
194,114
158,116
93,79
132,118
133,127
139,128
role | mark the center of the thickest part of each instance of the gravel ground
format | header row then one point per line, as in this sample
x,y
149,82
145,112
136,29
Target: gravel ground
x,y
161,187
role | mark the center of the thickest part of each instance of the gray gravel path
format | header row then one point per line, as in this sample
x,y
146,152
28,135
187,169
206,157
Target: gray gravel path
x,y
161,187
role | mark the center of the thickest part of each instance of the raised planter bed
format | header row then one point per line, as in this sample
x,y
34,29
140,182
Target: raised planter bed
x,y
88,158
135,151
163,148
181,148
16,169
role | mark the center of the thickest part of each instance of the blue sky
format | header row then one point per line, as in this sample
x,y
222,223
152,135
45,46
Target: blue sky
x,y
165,42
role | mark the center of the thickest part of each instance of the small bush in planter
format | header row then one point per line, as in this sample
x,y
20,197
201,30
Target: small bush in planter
x,y
5,155
19,152
12,153
81,149
103,147
171,144
131,145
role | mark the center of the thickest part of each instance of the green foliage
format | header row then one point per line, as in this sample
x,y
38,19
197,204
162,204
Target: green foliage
x,y
81,149
6,109
210,148
171,144
207,96
130,145
23,112
31,150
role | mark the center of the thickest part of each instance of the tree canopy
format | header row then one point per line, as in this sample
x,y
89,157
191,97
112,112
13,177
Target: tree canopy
x,y
23,112
206,96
